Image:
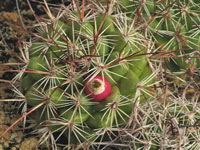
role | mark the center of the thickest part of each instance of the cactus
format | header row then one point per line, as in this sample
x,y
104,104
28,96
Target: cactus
x,y
82,69
93,73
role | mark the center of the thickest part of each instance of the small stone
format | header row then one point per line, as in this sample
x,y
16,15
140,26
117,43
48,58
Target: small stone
x,y
13,148
6,137
29,144
18,136
1,147
10,16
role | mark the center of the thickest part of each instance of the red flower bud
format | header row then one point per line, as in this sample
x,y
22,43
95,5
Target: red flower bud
x,y
97,88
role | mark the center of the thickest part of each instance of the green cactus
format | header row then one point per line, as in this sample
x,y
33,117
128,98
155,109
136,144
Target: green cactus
x,y
126,50
66,56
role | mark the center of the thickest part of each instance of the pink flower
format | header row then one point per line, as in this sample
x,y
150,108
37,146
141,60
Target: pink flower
x,y
97,88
